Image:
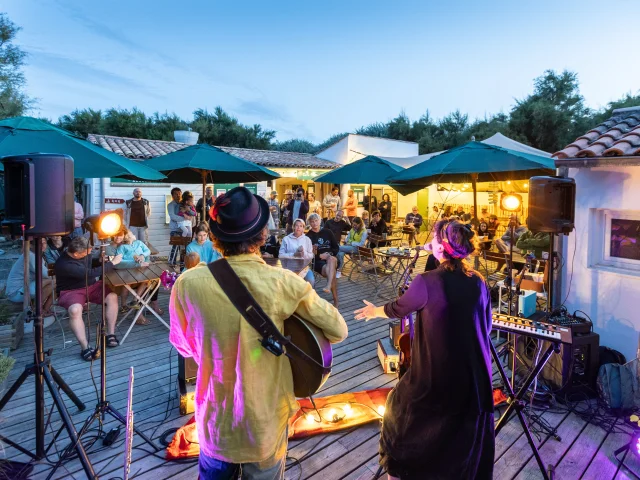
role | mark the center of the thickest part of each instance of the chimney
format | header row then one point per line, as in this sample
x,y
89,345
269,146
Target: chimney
x,y
186,136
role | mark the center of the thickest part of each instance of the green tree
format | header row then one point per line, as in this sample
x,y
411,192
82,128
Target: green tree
x,y
295,145
125,123
82,122
400,128
626,101
162,126
220,128
374,130
554,114
13,101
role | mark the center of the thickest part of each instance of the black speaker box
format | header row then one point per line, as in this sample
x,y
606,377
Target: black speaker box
x,y
552,204
39,193
574,370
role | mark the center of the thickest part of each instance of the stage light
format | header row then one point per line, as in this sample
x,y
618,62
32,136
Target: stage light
x,y
511,202
381,410
105,224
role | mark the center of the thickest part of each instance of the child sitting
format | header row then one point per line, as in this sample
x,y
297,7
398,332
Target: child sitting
x,y
191,259
187,210
134,252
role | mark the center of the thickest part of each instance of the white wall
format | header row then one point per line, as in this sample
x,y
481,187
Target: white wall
x,y
612,300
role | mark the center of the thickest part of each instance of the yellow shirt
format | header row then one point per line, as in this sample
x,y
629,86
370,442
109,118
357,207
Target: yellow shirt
x,y
244,394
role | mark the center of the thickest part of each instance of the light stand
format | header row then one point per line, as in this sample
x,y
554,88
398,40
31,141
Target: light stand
x,y
44,372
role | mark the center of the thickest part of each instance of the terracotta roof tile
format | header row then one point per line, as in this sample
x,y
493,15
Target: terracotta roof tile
x,y
143,149
617,136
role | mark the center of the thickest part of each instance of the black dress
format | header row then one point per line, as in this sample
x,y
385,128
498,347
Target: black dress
x,y
438,422
385,211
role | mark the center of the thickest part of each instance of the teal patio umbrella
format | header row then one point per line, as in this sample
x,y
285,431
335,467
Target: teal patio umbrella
x,y
368,170
24,135
207,164
472,162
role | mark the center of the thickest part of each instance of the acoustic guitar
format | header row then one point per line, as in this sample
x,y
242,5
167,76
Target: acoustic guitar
x,y
310,355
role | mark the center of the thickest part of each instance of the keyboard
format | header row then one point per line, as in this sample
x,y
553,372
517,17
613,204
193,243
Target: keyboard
x,y
539,329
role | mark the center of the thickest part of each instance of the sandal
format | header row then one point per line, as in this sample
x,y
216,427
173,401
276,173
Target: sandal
x,y
89,354
112,341
143,321
124,309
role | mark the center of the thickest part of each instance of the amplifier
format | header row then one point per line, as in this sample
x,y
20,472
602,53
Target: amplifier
x,y
187,373
388,355
574,369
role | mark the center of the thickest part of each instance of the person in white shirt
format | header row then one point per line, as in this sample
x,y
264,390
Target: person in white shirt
x,y
298,245
332,203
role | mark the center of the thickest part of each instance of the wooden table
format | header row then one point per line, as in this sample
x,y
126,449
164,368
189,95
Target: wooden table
x,y
150,275
296,265
402,261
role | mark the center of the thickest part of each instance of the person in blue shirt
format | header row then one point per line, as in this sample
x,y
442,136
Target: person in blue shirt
x,y
134,254
203,246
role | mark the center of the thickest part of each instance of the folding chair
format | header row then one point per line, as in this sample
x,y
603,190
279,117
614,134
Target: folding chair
x,y
409,235
375,271
181,244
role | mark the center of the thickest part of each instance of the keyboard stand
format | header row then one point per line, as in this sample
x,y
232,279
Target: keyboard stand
x,y
517,404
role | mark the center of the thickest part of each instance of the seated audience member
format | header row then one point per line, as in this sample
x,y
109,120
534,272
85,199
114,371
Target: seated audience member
x,y
460,212
365,219
338,225
484,215
448,211
298,245
357,237
504,244
492,226
203,246
535,243
14,290
76,285
134,253
326,248
414,218
55,248
191,259
378,227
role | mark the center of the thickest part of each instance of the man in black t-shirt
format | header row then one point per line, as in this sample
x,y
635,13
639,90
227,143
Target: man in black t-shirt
x,y
325,248
338,225
378,227
137,215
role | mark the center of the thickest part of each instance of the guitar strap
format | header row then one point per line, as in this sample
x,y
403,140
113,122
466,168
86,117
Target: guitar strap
x,y
272,339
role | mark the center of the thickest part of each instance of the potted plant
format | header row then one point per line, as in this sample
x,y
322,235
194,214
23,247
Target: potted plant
x,y
11,325
6,364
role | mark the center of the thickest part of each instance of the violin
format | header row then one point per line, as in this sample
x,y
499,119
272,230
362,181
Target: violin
x,y
404,339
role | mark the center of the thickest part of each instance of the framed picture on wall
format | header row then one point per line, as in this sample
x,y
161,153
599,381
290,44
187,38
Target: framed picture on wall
x,y
616,242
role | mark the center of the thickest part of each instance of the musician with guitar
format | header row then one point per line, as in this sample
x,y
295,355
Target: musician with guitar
x,y
244,393
438,421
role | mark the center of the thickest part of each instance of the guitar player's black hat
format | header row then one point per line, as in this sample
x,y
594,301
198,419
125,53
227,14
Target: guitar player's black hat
x,y
238,215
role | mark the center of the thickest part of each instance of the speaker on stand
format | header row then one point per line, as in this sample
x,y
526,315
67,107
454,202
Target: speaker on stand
x,y
39,202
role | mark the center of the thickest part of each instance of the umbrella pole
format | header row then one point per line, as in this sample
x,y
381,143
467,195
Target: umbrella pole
x,y
474,179
370,201
204,197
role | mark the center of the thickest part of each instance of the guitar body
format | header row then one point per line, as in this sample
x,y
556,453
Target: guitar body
x,y
308,377
404,345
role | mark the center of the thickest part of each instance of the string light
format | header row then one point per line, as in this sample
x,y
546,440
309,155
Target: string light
x,y
508,182
310,418
526,185
381,410
347,410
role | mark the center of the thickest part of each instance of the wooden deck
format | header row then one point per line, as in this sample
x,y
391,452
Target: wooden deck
x,y
585,452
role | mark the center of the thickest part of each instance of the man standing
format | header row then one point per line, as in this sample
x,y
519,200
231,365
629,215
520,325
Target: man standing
x,y
208,193
370,202
136,215
174,222
244,394
274,208
338,225
76,285
298,209
284,206
332,203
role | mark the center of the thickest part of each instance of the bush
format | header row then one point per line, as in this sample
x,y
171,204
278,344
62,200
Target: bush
x,y
6,364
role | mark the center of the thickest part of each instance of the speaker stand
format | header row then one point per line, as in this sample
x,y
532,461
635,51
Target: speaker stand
x,y
44,372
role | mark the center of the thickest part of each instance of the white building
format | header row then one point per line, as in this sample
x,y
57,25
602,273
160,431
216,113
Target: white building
x,y
353,147
295,169
601,276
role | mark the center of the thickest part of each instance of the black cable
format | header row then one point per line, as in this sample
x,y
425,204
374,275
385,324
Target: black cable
x,y
575,245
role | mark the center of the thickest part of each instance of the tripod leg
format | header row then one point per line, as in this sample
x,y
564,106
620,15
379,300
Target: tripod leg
x,y
118,416
68,423
16,385
66,389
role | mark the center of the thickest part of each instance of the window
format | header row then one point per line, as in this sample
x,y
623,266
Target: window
x,y
615,240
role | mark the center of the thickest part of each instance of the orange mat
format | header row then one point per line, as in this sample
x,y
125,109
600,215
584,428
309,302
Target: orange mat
x,y
338,412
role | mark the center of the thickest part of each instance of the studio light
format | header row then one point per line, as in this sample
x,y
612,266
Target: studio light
x,y
511,202
105,224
